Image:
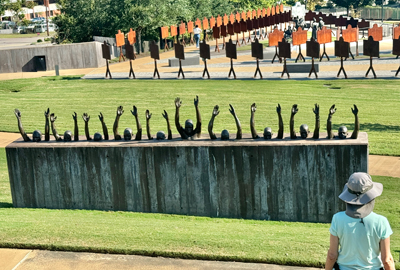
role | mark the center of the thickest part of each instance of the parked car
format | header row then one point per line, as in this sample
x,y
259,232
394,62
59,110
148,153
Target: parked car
x,y
41,28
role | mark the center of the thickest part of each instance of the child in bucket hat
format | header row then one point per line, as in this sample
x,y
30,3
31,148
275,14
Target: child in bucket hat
x,y
360,238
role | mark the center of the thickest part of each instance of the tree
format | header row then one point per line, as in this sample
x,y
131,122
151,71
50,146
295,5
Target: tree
x,y
354,4
3,6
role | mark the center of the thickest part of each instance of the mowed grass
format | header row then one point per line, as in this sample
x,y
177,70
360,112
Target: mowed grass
x,y
290,243
377,100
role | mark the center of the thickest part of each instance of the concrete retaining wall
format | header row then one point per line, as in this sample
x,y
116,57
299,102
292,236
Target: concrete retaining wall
x,y
69,56
294,180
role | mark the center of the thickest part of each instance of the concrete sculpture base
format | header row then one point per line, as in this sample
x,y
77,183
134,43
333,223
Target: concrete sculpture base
x,y
293,180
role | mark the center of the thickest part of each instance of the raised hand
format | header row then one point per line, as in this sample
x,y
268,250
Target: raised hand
x,y
294,109
47,113
120,110
355,110
165,115
278,109
17,113
52,117
101,117
232,110
134,111
316,109
86,117
332,110
196,101
215,111
253,107
178,102
148,114
75,116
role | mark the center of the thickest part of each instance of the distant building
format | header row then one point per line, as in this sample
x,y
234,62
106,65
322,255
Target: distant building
x,y
36,12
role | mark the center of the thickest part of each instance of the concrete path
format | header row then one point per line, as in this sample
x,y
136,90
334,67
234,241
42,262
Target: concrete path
x,y
20,259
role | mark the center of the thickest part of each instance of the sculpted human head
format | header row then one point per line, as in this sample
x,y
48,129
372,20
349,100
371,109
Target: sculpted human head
x,y
128,134
304,131
160,135
342,132
268,133
37,136
225,135
97,137
189,126
67,136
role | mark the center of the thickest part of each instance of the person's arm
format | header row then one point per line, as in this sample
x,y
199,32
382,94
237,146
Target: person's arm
x,y
47,125
332,110
178,104
103,124
238,126
253,109
386,256
53,118
354,135
316,130
197,130
211,123
21,129
86,118
76,130
138,136
332,255
292,131
120,111
280,131
165,115
148,116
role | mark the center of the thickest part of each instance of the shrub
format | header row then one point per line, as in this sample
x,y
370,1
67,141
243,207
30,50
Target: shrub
x,y
39,40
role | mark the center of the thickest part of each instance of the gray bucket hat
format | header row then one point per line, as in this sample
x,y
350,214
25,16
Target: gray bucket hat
x,y
360,189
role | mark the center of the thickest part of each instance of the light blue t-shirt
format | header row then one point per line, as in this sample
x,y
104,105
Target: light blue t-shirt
x,y
359,242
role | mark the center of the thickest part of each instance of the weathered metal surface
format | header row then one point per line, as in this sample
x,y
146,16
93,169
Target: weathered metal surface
x,y
257,49
164,32
105,49
299,37
120,38
396,32
324,36
342,48
275,37
154,51
312,49
179,51
376,32
350,34
294,180
284,49
230,51
396,46
371,47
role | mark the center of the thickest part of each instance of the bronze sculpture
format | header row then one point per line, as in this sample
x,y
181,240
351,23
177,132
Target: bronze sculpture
x,y
225,135
238,126
86,118
76,130
160,135
332,110
138,136
354,135
120,111
97,137
268,133
188,131
342,132
292,131
165,115
304,131
37,136
148,116
280,130
67,136
47,125
128,134
253,109
105,130
53,118
21,129
211,123
316,130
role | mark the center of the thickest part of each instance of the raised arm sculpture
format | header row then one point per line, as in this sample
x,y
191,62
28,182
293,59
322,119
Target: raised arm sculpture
x,y
304,131
138,136
238,126
165,115
253,109
293,113
21,129
53,118
37,136
120,111
188,131
47,125
332,110
211,123
103,124
354,135
86,118
268,133
316,130
148,116
280,131
76,130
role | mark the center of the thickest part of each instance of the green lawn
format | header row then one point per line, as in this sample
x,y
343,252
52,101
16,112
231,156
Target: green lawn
x,y
25,35
290,243
377,101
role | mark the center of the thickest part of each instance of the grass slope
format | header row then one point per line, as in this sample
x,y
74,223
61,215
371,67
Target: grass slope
x,y
290,243
377,101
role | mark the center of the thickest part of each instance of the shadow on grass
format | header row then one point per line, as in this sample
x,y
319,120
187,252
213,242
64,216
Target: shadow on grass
x,y
6,205
65,78
368,127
